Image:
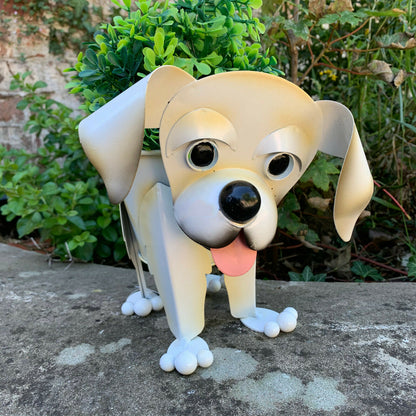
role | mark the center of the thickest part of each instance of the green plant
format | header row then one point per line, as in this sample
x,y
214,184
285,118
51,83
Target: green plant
x,y
68,24
200,36
56,191
307,276
365,271
363,55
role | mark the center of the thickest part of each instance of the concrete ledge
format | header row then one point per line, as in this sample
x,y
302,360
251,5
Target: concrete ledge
x,y
67,350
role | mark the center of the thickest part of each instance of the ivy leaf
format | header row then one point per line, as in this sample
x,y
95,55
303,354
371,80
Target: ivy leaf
x,y
319,173
366,271
307,276
300,29
287,218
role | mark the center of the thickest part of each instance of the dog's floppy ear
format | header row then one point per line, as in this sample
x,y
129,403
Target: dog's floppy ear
x,y
355,184
112,137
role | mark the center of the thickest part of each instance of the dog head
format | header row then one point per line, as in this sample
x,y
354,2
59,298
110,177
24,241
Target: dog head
x,y
233,144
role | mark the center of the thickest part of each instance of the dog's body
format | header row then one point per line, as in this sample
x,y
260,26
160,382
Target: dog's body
x,y
232,145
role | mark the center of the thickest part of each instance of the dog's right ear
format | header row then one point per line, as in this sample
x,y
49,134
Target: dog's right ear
x,y
355,184
112,137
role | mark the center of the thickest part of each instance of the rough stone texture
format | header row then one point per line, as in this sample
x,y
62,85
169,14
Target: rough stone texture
x,y
67,350
21,53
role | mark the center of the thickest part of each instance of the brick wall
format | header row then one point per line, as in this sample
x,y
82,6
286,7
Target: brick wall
x,y
20,52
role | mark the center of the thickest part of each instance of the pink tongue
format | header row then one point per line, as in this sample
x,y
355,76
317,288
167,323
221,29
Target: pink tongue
x,y
235,259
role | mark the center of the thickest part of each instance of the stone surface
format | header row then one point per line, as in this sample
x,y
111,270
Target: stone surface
x,y
67,350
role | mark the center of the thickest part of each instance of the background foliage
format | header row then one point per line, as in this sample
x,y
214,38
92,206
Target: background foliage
x,y
68,25
363,57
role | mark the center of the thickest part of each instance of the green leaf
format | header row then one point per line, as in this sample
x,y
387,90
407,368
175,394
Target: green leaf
x,y
119,251
385,13
103,222
366,271
385,203
409,126
300,29
25,226
307,276
149,55
103,250
113,58
50,188
110,234
329,19
39,84
204,69
22,104
319,173
159,40
121,6
311,236
86,201
87,73
91,57
287,218
411,267
84,252
185,49
255,4
77,221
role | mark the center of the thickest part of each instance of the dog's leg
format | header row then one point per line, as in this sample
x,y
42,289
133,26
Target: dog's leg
x,y
179,266
242,298
145,300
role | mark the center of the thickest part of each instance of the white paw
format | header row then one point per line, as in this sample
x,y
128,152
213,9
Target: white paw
x,y
140,305
270,322
287,320
185,356
214,282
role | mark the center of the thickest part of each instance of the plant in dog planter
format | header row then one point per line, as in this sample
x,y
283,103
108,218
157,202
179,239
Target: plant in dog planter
x,y
201,37
232,145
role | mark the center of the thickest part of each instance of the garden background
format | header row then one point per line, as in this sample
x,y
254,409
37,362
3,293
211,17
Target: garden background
x,y
359,53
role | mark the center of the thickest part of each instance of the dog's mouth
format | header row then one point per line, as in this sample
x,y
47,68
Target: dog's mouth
x,y
235,259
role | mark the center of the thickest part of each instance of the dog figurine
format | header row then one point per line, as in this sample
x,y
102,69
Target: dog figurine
x,y
232,145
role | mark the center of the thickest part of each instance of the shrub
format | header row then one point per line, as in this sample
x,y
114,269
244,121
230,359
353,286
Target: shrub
x,y
200,36
362,54
56,191
365,57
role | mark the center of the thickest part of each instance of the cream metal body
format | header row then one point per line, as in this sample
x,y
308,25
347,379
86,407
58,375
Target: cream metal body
x,y
232,146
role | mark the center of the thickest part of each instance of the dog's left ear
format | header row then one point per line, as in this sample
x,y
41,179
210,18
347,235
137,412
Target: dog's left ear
x,y
112,137
355,184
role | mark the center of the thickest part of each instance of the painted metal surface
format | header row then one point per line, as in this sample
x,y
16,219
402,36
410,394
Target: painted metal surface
x,y
232,146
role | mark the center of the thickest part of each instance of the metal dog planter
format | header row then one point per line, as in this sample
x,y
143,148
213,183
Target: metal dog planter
x,y
232,145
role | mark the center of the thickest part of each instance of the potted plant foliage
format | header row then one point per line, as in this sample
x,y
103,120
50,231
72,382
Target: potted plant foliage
x,y
202,37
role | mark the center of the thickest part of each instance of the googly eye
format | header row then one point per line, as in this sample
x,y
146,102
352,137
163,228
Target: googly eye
x,y
279,166
202,155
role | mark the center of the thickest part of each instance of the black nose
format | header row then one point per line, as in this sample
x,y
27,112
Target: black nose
x,y
240,201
